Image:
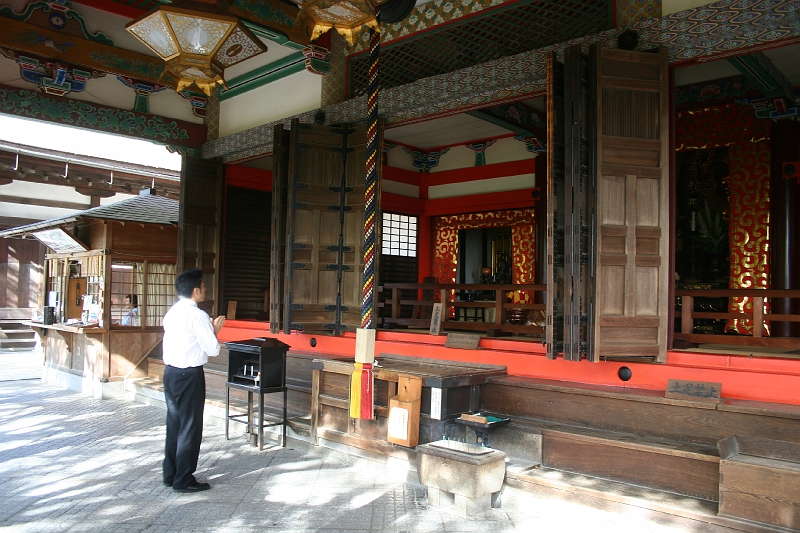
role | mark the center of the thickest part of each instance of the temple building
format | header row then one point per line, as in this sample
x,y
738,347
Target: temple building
x,y
581,217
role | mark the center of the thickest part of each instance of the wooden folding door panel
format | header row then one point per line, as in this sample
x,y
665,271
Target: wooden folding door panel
x,y
353,228
570,189
280,187
325,228
199,223
556,301
632,277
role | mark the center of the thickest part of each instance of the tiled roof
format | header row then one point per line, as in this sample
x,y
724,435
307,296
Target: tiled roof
x,y
146,208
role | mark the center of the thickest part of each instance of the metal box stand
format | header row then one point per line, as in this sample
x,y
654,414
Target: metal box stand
x,y
257,366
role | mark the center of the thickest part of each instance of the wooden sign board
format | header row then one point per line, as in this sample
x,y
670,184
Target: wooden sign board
x,y
403,425
436,318
705,391
466,341
436,403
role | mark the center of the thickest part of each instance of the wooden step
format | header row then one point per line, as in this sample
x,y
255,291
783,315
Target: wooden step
x,y
639,412
608,494
683,468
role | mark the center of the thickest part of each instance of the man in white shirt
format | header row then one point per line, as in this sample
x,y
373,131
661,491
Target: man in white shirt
x,y
190,336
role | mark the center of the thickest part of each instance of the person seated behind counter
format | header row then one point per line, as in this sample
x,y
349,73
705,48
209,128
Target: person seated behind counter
x,y
190,337
132,318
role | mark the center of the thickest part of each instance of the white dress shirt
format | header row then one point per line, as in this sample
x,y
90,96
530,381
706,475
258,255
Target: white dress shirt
x,y
188,335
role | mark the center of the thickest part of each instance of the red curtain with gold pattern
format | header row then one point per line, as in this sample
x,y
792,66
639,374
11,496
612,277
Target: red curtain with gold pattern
x,y
747,139
714,127
749,226
446,228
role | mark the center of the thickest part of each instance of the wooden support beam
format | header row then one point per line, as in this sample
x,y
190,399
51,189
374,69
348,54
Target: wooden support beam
x,y
42,202
92,191
122,184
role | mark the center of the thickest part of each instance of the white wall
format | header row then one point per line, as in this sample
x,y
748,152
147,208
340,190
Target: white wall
x,y
669,7
286,97
503,151
398,158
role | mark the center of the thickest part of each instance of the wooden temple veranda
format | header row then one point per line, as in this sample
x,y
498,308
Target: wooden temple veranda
x,y
607,192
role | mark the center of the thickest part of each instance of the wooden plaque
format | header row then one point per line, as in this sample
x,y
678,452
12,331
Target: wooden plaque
x,y
705,391
436,319
403,423
466,341
231,314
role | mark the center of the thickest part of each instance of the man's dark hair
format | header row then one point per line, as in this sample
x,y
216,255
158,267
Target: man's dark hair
x,y
133,299
187,281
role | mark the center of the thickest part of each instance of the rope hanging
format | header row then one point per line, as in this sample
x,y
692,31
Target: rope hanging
x,y
373,154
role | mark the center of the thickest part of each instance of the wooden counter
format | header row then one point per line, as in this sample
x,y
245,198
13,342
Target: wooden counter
x,y
456,384
95,352
64,327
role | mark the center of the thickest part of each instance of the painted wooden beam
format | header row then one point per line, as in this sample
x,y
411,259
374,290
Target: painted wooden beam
x,y
263,75
499,122
75,50
763,73
32,104
275,15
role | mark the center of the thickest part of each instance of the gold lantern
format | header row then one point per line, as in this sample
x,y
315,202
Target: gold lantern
x,y
345,16
197,39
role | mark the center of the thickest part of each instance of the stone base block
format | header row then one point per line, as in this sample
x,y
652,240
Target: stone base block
x,y
440,498
472,474
472,506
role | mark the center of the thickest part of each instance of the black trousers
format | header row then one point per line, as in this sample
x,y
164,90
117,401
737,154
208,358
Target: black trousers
x,y
185,392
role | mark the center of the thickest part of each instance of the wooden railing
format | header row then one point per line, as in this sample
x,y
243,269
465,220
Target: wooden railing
x,y
688,315
393,304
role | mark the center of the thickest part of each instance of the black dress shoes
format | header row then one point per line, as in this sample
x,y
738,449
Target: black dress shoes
x,y
193,487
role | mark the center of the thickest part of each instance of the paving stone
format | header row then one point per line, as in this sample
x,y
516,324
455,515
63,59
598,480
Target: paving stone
x,y
73,463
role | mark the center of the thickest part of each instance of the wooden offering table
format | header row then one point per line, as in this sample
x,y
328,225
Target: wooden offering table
x,y
449,389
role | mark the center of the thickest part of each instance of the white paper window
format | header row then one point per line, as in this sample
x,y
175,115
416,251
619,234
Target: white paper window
x,y
399,235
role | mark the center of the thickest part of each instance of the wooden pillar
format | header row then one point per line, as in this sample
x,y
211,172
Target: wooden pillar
x,y
784,226
540,229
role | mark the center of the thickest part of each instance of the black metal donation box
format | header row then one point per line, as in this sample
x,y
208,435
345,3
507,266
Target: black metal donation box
x,y
257,366
259,363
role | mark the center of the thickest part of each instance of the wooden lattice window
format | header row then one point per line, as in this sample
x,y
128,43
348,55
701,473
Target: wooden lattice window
x,y
492,34
141,293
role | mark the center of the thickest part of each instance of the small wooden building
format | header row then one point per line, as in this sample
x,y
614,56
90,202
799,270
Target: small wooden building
x,y
109,280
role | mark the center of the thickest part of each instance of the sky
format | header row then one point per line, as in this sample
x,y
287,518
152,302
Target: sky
x,y
86,142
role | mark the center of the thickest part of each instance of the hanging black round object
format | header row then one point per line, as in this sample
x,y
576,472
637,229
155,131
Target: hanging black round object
x,y
628,40
396,10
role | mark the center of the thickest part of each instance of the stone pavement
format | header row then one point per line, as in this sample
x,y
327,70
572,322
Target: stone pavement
x,y
69,462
